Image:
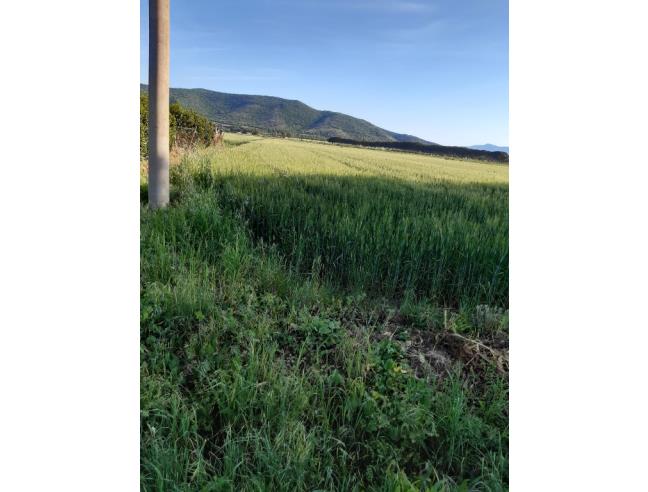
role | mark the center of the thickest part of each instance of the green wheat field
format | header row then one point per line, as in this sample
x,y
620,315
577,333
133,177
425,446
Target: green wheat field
x,y
323,317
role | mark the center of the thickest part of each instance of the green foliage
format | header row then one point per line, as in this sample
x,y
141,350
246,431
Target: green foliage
x,y
277,116
255,376
143,125
186,127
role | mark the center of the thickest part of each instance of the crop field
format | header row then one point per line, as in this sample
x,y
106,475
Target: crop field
x,y
386,222
321,317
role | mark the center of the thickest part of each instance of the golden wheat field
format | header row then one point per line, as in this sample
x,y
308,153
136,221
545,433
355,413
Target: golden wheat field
x,y
266,156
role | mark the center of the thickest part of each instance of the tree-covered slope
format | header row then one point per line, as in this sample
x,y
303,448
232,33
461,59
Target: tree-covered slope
x,y
274,114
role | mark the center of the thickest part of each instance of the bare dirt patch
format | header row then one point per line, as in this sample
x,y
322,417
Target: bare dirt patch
x,y
435,353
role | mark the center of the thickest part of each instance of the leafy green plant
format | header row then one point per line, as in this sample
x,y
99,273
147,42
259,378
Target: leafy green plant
x,y
186,127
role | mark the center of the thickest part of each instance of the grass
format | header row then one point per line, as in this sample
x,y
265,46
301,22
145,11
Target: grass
x,y
377,221
267,290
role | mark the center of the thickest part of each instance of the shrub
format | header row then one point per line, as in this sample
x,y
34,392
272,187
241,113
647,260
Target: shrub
x,y
143,125
186,127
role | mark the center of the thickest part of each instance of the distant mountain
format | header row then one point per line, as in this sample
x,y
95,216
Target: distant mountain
x,y
277,115
490,148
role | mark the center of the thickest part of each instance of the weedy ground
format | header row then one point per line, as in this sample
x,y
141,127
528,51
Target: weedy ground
x,y
316,317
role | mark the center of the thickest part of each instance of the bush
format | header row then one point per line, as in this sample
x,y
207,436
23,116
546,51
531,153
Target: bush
x,y
143,125
186,127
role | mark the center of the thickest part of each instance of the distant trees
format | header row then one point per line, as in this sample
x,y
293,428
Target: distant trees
x,y
186,127
434,149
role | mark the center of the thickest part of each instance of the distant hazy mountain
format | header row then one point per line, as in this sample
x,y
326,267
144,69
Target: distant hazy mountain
x,y
275,114
490,148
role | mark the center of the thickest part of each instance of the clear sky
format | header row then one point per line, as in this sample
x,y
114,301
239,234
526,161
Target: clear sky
x,y
436,69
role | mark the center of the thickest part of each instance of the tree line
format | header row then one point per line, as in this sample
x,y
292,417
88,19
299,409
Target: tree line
x,y
434,149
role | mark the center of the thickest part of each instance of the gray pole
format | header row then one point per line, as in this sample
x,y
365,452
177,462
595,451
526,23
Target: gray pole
x,y
158,121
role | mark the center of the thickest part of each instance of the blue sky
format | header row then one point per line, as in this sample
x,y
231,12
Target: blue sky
x,y
436,69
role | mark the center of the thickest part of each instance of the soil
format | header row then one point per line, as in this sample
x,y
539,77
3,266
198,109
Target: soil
x,y
436,353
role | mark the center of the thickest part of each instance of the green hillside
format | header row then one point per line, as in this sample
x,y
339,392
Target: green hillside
x,y
274,114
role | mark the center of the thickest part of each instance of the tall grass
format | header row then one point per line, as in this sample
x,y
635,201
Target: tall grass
x,y
375,221
255,376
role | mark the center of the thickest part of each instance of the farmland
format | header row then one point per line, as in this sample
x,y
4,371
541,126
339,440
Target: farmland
x,y
312,317
380,221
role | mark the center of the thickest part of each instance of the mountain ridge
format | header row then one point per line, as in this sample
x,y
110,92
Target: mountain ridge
x,y
491,148
282,116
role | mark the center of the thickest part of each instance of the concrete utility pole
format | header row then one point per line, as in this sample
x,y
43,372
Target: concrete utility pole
x,y
158,118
